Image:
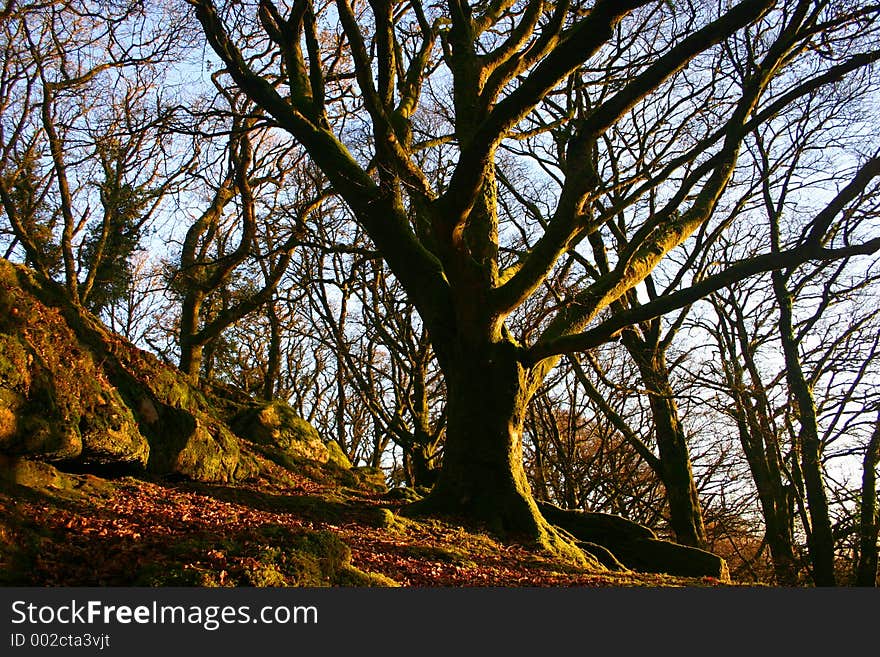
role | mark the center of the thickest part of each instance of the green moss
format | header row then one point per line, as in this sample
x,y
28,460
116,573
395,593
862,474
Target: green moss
x,y
49,482
246,468
371,479
403,494
172,388
351,576
20,541
564,549
210,453
175,574
271,555
14,371
455,556
72,391
337,456
31,474
10,406
263,572
308,558
50,437
110,433
383,518
65,408
277,425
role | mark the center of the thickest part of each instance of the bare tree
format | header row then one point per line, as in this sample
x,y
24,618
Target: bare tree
x,y
81,179
220,244
498,63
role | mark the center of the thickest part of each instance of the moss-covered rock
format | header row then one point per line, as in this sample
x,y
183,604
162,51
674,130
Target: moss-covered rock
x,y
305,558
211,453
70,391
276,424
30,474
403,494
617,542
14,364
383,518
336,456
371,480
55,400
443,554
48,481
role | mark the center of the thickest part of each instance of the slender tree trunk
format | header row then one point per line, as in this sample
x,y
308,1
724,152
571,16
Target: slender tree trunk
x,y
190,351
821,537
760,447
685,514
273,364
775,507
759,440
866,572
420,451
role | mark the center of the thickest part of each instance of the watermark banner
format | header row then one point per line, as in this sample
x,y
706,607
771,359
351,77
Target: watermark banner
x,y
171,621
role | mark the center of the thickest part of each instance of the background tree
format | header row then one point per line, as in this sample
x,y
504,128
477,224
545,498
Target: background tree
x,y
80,180
866,570
219,246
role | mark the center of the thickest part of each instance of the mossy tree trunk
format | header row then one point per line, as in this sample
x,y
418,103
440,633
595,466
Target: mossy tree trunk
x,y
482,466
190,362
273,358
482,477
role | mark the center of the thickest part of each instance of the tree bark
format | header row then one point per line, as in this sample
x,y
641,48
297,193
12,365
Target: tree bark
x,y
775,504
821,537
482,478
685,514
191,350
419,470
760,444
866,572
273,364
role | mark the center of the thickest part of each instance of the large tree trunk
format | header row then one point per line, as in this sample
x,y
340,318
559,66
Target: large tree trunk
x,y
482,478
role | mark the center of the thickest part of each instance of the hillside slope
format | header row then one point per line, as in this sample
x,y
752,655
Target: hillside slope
x,y
114,470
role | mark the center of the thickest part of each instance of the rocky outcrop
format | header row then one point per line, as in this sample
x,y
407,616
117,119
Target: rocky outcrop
x,y
55,399
73,393
635,546
276,424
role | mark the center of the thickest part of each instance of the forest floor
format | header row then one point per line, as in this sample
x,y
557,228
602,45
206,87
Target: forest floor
x,y
285,529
